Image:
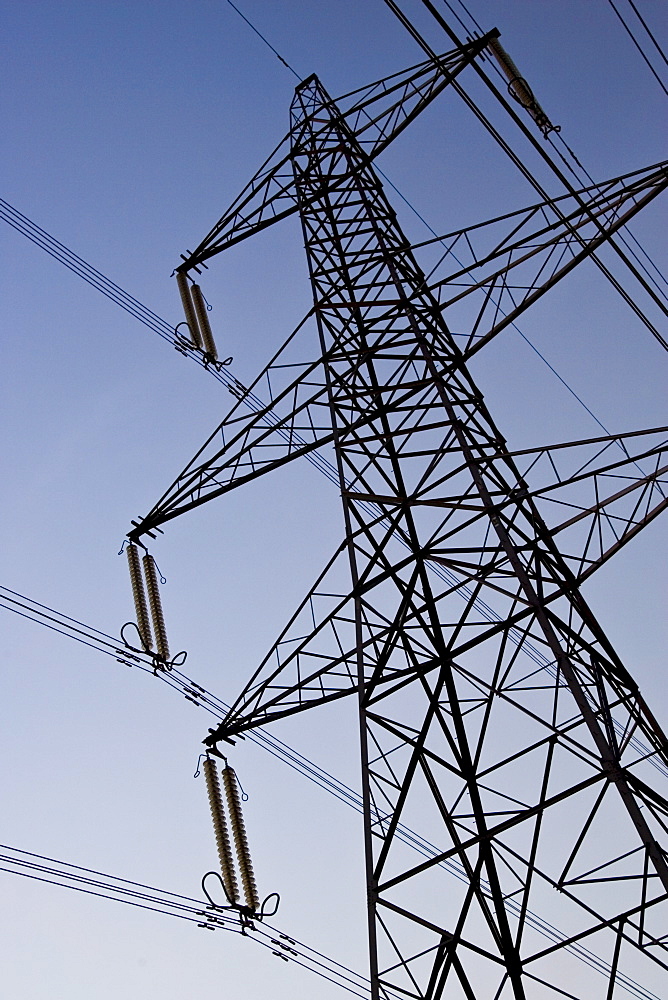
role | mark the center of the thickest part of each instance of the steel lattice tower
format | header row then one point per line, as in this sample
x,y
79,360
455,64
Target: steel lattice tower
x,y
494,714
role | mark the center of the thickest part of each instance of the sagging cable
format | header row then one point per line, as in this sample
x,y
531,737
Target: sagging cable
x,y
519,89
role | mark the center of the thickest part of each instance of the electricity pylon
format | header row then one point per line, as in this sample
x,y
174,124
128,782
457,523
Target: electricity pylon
x,y
494,713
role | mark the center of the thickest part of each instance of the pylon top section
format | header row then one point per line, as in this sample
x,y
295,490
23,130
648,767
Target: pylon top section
x,y
376,115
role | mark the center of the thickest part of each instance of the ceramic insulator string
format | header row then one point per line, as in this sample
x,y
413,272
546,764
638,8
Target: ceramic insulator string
x,y
240,839
203,320
519,88
139,596
188,309
160,632
220,830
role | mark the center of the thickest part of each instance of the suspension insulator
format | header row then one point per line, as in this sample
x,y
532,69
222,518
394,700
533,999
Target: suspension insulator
x,y
188,309
240,839
151,575
220,829
519,88
139,596
203,319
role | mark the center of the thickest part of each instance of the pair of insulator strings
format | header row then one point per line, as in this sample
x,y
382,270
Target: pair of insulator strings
x,y
221,832
197,320
143,585
220,826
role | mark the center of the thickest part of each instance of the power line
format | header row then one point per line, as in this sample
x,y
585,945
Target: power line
x,y
647,29
640,49
265,40
84,270
48,870
97,883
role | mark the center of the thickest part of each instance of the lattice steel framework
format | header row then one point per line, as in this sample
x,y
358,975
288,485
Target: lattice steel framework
x,y
495,716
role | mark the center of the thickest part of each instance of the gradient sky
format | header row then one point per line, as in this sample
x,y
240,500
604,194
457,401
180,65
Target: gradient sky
x,y
127,130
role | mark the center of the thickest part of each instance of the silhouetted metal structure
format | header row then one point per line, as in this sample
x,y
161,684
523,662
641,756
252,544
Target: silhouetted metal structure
x,y
494,713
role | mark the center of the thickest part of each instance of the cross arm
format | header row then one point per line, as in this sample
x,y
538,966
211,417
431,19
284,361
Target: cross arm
x,y
498,269
376,113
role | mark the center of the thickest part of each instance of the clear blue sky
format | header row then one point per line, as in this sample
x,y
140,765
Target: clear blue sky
x,y
127,129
